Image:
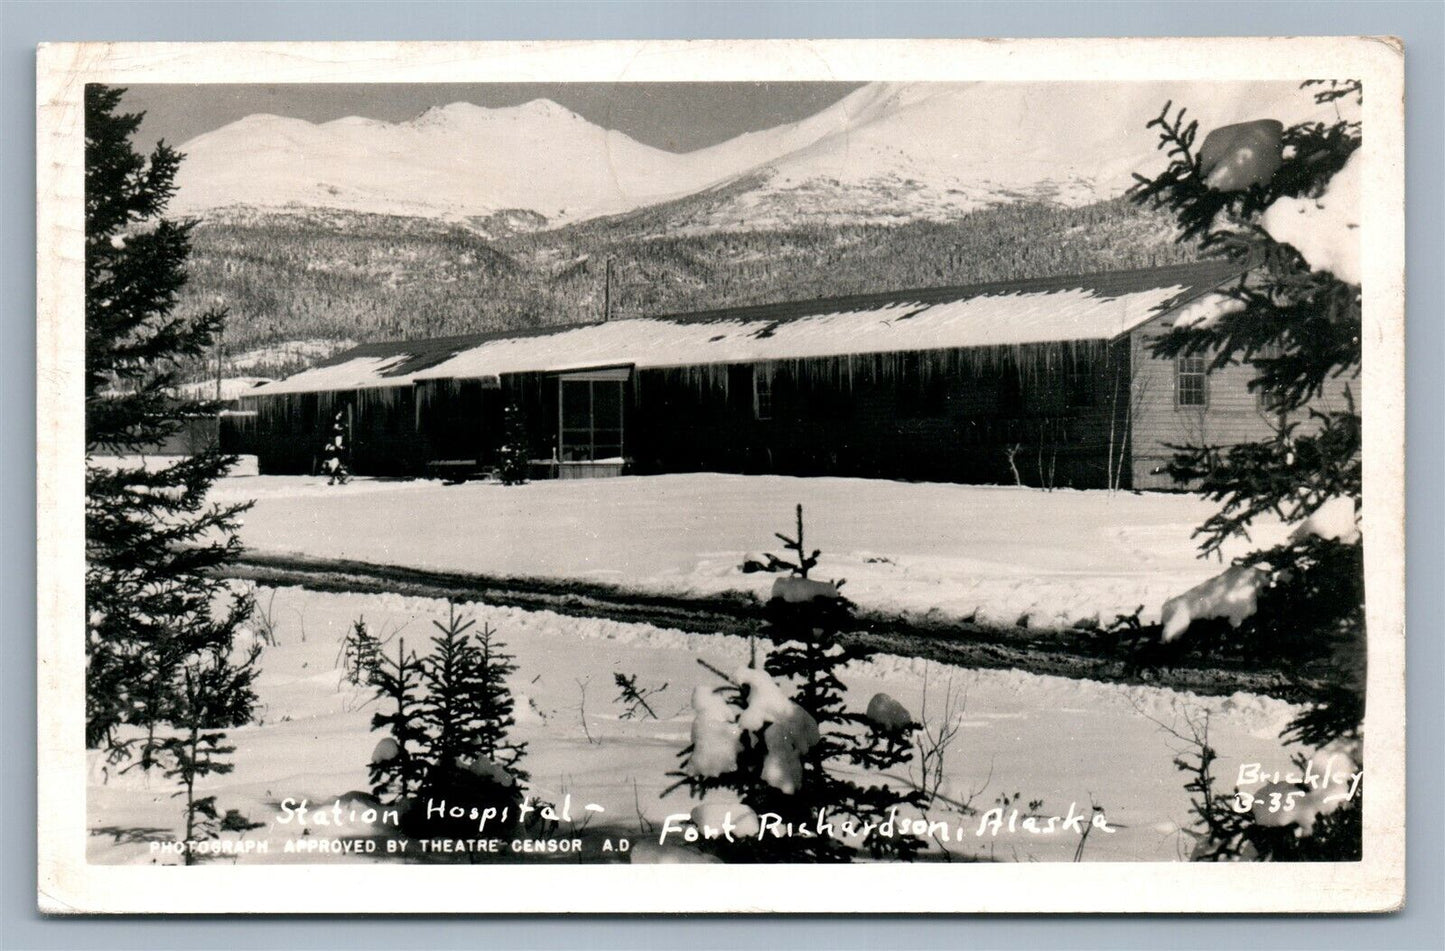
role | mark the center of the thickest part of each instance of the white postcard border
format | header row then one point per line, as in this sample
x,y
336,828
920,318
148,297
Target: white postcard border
x,y
68,884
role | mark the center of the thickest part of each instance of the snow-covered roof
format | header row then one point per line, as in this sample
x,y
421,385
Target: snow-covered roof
x,y
232,387
1090,307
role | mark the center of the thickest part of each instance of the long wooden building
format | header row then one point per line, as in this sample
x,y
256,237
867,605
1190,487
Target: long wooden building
x,y
1041,382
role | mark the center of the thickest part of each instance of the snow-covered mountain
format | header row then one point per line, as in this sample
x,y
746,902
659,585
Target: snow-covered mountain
x,y
886,152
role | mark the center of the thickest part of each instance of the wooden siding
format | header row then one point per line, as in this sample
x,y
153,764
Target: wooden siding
x,y
965,416
1232,413
940,416
289,431
996,416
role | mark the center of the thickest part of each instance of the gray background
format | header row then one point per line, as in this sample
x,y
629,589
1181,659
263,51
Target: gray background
x,y
24,24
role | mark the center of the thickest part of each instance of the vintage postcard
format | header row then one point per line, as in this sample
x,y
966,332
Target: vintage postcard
x,y
864,476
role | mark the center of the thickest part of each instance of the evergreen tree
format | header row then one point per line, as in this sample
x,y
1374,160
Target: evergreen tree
x,y
398,767
1300,326
513,456
163,676
333,459
216,694
360,653
806,619
493,704
449,710
448,722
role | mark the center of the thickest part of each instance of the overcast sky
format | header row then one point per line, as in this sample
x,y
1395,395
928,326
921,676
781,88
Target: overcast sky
x,y
678,117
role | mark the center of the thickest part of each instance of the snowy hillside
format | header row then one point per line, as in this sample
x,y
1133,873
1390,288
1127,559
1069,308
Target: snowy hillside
x,y
885,153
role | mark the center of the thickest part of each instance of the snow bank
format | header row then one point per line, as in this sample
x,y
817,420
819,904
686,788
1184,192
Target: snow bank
x,y
1325,230
1335,520
1232,595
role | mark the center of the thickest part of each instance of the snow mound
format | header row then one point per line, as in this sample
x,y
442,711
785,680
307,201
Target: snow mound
x,y
803,590
485,768
1324,230
387,749
888,714
1232,594
1205,312
716,737
788,730
713,817
1335,520
1234,157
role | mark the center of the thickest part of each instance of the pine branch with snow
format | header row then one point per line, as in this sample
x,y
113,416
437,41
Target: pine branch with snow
x,y
1285,202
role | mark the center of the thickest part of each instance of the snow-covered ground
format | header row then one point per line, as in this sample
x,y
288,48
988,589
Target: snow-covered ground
x,y
1065,742
950,551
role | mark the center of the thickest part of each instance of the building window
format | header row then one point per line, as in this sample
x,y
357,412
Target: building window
x,y
1268,401
1191,381
590,418
762,395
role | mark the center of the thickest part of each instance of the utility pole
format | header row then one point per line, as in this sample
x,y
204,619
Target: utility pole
x,y
220,351
220,344
607,293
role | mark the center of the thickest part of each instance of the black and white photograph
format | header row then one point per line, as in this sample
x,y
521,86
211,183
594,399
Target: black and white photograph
x,y
510,461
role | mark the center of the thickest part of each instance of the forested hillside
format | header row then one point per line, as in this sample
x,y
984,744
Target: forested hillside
x,y
319,277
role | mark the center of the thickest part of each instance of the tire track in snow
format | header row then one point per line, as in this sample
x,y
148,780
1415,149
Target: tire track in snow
x,y
961,643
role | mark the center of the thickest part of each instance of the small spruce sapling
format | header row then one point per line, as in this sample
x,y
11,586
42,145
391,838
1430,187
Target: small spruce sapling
x,y
361,653
466,712
494,705
398,772
216,695
450,675
807,619
634,696
512,457
449,722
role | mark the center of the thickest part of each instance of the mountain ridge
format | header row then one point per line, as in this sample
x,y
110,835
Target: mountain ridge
x,y
885,152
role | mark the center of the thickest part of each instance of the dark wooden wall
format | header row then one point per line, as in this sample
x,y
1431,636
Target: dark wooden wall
x,y
956,416
289,432
950,416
